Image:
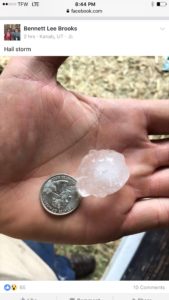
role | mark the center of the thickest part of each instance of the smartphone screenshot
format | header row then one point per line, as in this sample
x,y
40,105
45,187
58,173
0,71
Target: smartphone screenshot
x,y
84,150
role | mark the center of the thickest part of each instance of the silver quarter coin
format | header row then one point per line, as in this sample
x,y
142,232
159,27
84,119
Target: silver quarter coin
x,y
59,195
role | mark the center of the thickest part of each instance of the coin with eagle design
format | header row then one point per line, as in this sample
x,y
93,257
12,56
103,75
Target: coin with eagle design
x,y
59,195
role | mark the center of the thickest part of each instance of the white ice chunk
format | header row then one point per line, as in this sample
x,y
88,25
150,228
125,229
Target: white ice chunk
x,y
101,173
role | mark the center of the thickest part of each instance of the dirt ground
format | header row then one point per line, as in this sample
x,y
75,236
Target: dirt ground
x,y
110,77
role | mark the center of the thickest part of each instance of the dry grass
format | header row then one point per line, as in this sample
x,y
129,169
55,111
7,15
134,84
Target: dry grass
x,y
101,252
115,77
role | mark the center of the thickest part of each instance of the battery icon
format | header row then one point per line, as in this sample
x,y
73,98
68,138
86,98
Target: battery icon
x,y
161,3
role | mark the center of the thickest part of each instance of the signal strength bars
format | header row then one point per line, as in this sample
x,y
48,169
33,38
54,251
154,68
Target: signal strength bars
x,y
9,3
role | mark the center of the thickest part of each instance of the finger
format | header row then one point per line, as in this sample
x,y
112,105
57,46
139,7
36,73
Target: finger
x,y
33,68
157,115
157,185
156,156
147,214
161,153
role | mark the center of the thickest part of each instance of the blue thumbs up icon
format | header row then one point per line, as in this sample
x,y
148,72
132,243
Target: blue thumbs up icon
x,y
7,287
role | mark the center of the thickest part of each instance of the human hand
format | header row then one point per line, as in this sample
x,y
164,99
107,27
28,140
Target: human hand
x,y
46,129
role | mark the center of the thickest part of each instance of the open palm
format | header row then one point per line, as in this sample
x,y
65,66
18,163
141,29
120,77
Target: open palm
x,y
46,129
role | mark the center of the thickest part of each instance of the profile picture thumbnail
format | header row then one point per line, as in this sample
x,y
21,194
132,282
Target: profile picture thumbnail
x,y
12,32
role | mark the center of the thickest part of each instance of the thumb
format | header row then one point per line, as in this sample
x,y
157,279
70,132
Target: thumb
x,y
33,68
